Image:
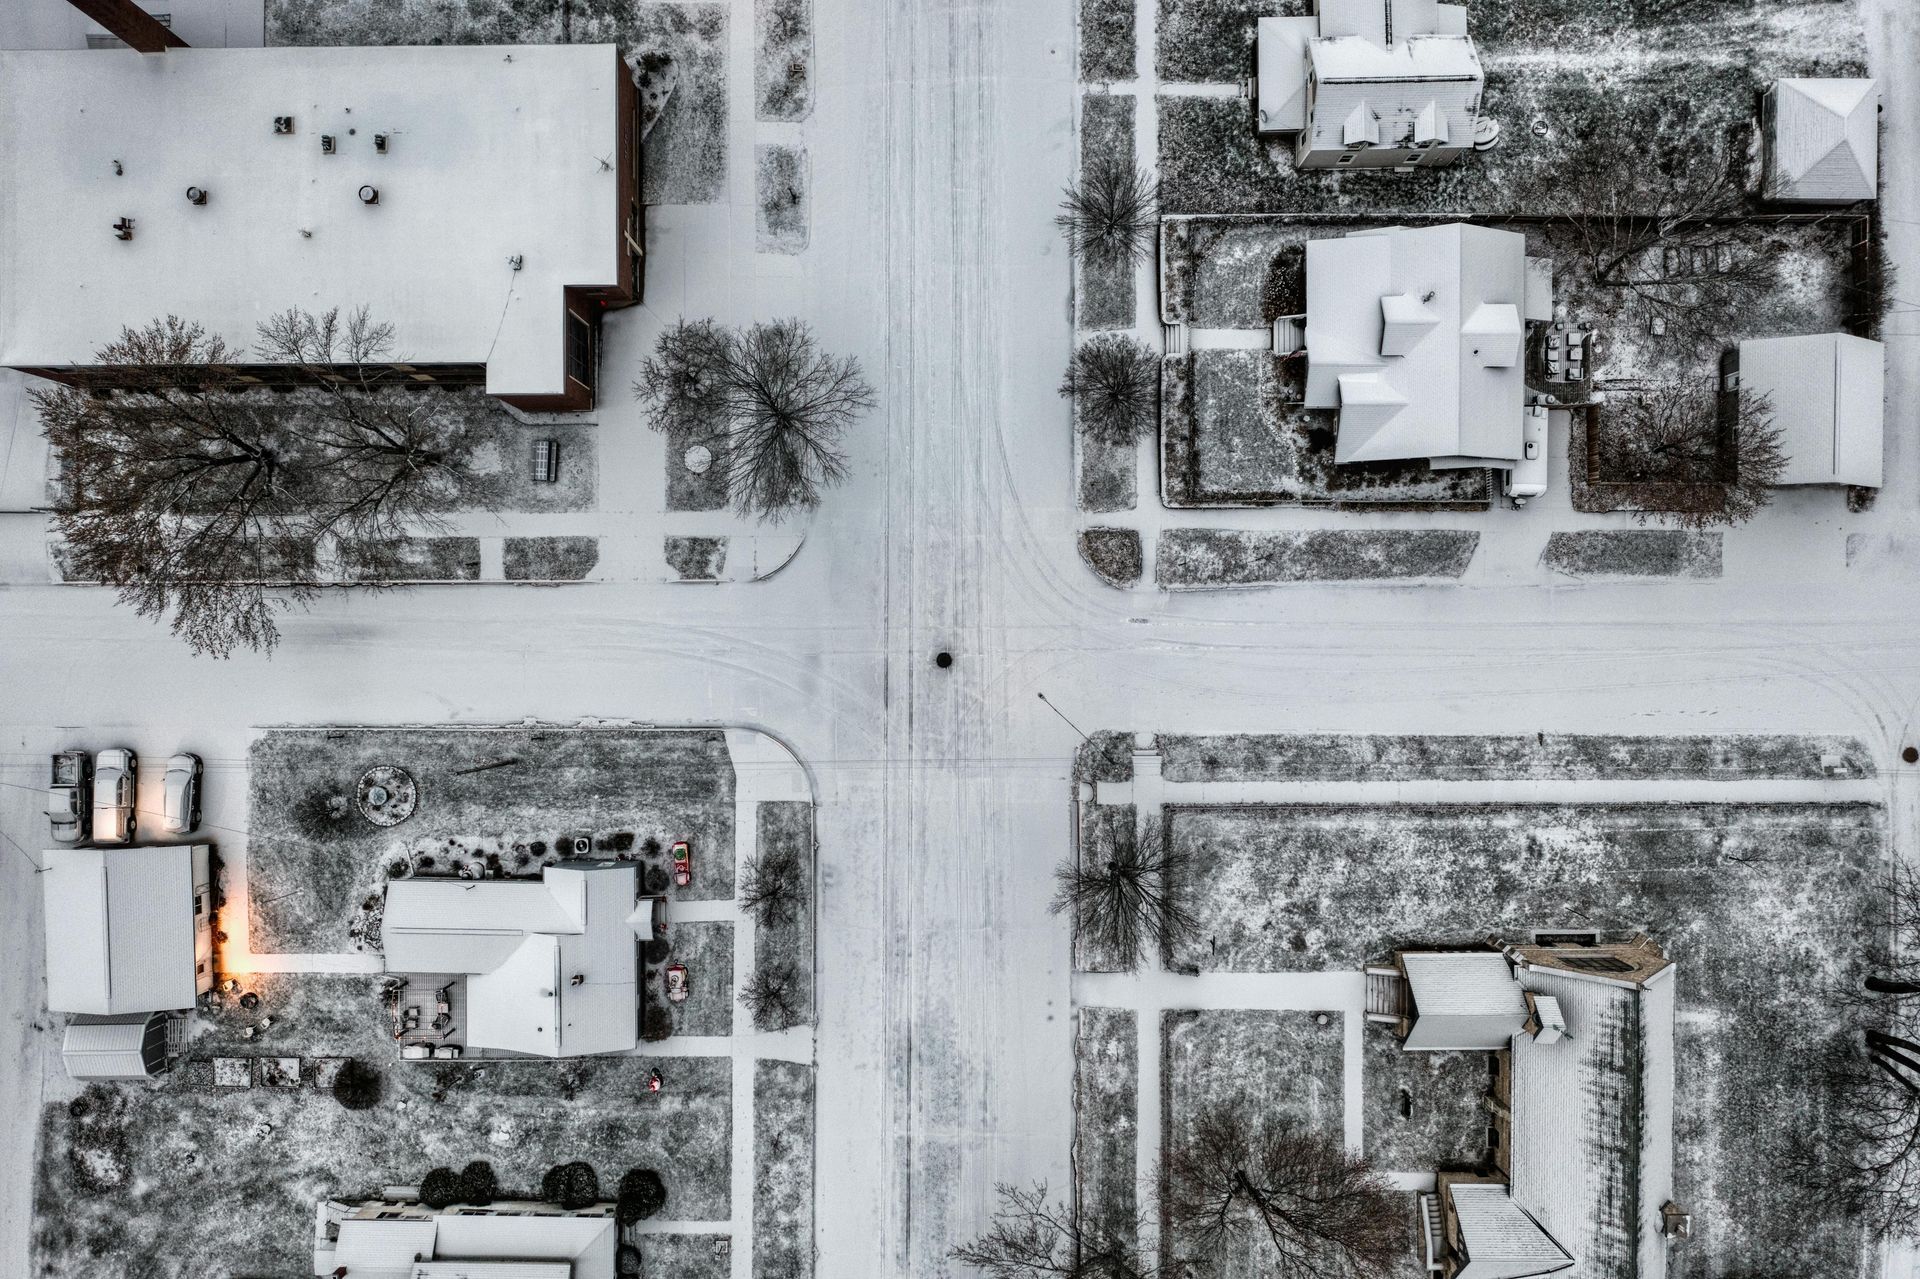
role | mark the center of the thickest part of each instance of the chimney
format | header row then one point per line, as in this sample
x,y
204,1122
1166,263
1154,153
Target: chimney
x,y
140,29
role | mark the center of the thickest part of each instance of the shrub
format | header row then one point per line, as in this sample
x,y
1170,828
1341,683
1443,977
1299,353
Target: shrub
x,y
439,1188
478,1185
642,1194
358,1086
656,1025
571,1185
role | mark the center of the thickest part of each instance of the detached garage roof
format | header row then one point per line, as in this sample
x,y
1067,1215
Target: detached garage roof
x,y
1463,1000
1825,145
1826,394
120,929
511,1242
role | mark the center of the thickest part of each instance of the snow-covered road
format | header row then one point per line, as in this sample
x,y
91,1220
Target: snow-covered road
x,y
942,137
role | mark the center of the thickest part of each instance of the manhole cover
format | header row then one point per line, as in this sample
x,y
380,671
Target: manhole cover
x,y
386,795
698,458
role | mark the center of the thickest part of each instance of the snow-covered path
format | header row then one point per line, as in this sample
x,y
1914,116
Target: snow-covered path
x,y
940,142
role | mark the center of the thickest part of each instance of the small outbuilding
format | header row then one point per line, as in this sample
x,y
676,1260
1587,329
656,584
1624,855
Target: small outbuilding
x,y
132,1046
1826,394
129,930
1822,141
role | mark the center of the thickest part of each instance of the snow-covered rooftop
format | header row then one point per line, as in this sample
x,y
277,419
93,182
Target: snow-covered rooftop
x,y
492,153
1450,387
1826,392
1462,1000
1825,141
552,965
505,1243
1592,1121
121,933
1501,1240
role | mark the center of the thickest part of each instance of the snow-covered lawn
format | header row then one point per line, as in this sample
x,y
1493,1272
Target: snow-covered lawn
x,y
189,1179
783,1102
1106,1065
314,880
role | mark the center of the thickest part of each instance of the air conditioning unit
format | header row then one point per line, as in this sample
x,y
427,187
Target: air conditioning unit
x,y
283,124
380,144
326,144
369,194
196,195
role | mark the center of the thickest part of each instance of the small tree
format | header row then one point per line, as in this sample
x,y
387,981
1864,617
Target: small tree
x,y
440,1187
1120,898
771,404
572,1185
358,1086
1712,472
772,997
1109,216
1114,383
478,1185
642,1194
1032,1239
1312,1206
773,887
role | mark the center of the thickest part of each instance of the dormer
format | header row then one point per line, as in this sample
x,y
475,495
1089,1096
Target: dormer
x,y
1404,320
1492,335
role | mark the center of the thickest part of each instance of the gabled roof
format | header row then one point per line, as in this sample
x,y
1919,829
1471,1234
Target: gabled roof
x,y
481,1245
552,964
1826,395
120,929
1501,1239
1462,1000
1461,382
1826,140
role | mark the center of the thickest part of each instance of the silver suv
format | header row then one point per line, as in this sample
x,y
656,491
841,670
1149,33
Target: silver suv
x,y
116,785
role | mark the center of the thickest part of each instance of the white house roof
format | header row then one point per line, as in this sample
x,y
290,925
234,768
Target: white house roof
x,y
1826,140
1281,71
1501,1240
493,1245
1457,386
1463,1000
494,152
552,964
1592,1121
1826,394
119,929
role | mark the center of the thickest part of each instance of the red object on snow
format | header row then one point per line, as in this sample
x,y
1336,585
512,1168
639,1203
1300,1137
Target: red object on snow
x,y
654,1081
677,983
682,862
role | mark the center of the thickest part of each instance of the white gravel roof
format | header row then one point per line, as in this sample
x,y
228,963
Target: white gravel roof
x,y
492,152
496,1245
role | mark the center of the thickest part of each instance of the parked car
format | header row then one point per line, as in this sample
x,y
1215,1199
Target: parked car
x,y
180,795
69,796
116,780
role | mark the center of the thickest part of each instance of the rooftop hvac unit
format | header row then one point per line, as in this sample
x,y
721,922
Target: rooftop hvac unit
x,y
196,195
326,144
123,229
283,124
369,194
380,143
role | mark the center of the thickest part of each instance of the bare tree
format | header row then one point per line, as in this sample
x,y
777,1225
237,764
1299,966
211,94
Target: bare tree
x,y
1114,383
1858,1153
1121,898
1711,470
390,461
1311,1206
1109,217
773,886
174,490
772,997
770,402
1031,1239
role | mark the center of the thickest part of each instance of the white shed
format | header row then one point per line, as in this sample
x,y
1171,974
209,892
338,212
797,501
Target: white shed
x,y
1826,393
1822,141
131,1046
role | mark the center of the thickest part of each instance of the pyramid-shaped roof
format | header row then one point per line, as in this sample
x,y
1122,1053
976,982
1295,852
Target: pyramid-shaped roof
x,y
1825,144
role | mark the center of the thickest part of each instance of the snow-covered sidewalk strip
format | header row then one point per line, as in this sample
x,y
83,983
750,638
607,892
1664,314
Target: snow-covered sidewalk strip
x,y
1556,791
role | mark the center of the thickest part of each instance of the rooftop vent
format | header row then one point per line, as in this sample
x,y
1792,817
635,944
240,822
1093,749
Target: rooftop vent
x,y
380,143
326,144
283,124
196,195
123,229
369,194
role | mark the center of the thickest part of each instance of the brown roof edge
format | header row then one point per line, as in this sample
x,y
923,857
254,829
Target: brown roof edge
x,y
140,29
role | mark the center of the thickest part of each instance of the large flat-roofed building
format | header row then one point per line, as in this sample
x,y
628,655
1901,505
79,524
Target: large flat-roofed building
x,y
1370,84
1416,335
129,930
484,201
